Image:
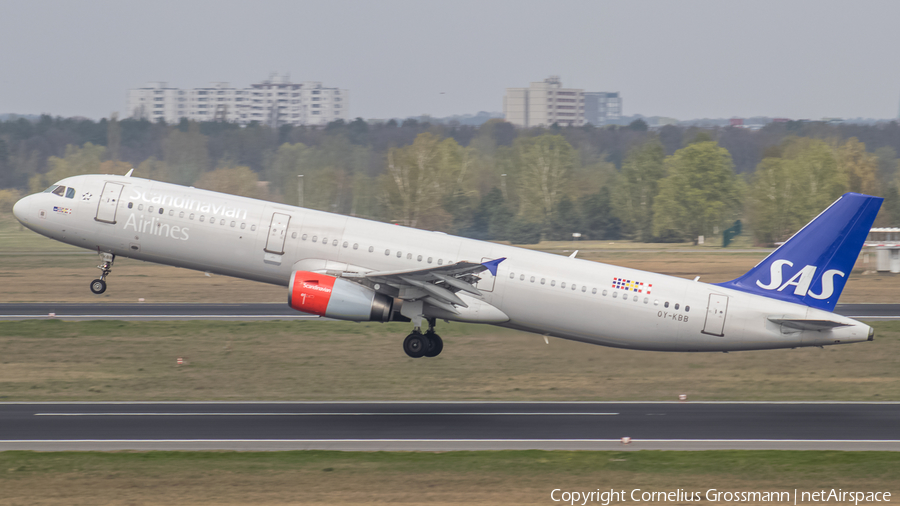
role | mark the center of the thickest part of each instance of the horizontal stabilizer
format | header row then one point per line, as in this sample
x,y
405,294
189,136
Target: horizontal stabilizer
x,y
802,324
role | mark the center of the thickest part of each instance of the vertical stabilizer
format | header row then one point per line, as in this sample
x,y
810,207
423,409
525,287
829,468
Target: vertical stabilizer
x,y
812,267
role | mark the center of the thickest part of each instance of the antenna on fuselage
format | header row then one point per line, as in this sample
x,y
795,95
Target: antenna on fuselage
x,y
130,172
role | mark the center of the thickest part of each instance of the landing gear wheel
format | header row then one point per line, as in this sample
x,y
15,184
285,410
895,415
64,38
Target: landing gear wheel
x,y
98,286
436,344
415,345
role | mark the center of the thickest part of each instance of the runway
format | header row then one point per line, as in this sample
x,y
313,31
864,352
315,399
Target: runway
x,y
426,426
265,311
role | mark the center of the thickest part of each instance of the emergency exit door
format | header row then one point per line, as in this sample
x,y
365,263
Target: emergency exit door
x,y
109,203
277,233
715,315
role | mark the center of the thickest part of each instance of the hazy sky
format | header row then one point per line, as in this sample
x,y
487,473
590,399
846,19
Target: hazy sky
x,y
684,59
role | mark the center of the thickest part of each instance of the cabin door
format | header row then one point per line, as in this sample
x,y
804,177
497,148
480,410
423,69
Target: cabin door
x,y
109,203
715,315
277,233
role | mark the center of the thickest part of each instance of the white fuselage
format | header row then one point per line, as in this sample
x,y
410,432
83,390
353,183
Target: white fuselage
x,y
538,292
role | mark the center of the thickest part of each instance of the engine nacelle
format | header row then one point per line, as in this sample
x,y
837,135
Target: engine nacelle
x,y
337,298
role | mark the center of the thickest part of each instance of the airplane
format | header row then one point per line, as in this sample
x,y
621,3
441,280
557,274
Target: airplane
x,y
354,269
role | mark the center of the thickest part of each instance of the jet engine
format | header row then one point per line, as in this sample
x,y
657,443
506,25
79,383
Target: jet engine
x,y
337,298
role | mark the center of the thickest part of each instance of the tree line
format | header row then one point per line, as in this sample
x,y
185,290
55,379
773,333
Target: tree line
x,y
492,181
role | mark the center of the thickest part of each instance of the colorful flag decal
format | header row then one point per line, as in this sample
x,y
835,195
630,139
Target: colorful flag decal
x,y
630,285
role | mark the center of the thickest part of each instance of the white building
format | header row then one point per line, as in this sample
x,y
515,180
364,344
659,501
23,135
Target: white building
x,y
274,102
543,104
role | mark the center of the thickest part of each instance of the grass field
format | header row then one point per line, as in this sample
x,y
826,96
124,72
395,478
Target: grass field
x,y
55,360
497,478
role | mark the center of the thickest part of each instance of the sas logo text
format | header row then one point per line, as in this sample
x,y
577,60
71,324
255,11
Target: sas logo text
x,y
801,280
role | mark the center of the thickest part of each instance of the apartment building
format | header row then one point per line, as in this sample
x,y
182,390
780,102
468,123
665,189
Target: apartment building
x,y
274,102
547,102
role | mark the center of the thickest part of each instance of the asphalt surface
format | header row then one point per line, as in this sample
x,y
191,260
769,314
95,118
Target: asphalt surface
x,y
264,311
449,426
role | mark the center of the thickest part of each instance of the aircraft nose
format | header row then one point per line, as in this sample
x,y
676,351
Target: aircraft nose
x,y
20,209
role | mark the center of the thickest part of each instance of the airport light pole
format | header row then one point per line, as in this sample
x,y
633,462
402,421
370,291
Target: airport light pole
x,y
300,190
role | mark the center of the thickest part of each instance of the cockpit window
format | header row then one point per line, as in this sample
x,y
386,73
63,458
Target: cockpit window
x,y
48,190
70,193
59,190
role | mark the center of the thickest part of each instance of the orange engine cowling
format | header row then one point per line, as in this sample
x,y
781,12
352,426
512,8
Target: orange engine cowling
x,y
333,297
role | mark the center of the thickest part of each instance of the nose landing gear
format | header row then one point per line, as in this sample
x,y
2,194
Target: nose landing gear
x,y
429,344
98,286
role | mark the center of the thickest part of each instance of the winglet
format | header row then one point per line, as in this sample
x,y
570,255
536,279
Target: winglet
x,y
492,265
130,172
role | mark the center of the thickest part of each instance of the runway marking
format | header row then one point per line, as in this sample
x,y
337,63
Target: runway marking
x,y
616,440
435,403
451,413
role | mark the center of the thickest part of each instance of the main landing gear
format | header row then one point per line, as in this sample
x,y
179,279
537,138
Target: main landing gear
x,y
98,286
428,344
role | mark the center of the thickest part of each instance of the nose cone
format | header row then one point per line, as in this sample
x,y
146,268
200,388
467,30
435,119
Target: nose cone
x,y
19,209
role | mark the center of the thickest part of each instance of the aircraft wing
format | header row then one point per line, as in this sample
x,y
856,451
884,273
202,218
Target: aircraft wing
x,y
435,285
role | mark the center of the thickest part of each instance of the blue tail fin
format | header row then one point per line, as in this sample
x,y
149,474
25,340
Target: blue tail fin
x,y
811,268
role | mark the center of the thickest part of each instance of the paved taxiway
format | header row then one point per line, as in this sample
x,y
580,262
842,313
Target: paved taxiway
x,y
449,426
265,311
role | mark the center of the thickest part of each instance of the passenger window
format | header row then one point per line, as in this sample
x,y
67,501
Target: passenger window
x,y
440,261
399,254
315,238
573,286
334,242
553,283
420,258
140,207
233,224
346,244
294,235
252,228
543,280
666,304
646,300
409,256
635,298
181,215
243,226
130,205
355,246
303,237
325,241
532,279
149,209
371,249
160,210
521,277
687,309
615,294
676,306
583,288
171,212
59,190
191,216
563,284
387,252
512,275
655,302
202,218
429,259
